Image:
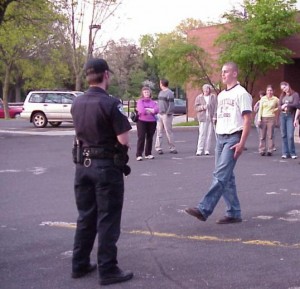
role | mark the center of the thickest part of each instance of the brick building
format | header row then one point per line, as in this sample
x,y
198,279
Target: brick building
x,y
205,38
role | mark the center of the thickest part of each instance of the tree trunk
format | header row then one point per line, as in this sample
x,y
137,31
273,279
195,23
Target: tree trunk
x,y
18,92
78,82
6,90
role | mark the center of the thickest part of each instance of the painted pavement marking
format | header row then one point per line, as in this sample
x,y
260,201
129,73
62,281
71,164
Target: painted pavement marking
x,y
46,133
192,237
34,170
216,239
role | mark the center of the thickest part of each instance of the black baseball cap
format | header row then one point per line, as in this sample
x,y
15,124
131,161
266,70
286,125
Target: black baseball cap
x,y
96,65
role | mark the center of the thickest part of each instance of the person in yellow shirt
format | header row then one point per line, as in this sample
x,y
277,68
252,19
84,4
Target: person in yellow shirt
x,y
267,119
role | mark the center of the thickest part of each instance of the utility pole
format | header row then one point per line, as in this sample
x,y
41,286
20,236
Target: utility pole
x,y
92,39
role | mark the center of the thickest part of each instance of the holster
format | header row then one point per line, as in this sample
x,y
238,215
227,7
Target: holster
x,y
77,151
121,158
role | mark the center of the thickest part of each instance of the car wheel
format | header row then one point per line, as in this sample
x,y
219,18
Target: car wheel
x,y
39,120
55,123
17,115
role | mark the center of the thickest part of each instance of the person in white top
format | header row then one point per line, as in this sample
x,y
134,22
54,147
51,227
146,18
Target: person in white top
x,y
206,107
232,129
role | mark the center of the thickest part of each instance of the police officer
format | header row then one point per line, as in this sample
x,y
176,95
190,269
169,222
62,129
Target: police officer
x,y
100,155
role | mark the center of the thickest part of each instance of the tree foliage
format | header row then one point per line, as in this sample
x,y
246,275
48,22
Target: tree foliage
x,y
3,7
126,61
148,44
85,17
178,58
27,35
43,45
252,38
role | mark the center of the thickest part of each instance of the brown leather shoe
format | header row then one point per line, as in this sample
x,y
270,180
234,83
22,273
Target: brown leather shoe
x,y
195,213
117,276
229,220
78,274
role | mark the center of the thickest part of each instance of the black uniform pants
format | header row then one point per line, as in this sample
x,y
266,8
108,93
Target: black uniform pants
x,y
99,193
145,132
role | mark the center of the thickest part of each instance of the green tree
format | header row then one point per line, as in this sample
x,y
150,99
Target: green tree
x,y
148,44
183,62
126,61
82,15
252,38
3,7
25,37
178,57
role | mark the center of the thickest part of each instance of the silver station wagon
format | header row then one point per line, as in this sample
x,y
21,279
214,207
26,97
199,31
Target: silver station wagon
x,y
41,107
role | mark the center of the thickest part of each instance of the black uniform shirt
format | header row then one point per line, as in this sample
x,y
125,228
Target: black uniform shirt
x,y
98,118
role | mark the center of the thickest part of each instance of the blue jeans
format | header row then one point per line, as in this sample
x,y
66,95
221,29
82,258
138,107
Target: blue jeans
x,y
223,183
287,134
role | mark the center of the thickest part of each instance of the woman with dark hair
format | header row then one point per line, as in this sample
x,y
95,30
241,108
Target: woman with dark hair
x,y
146,125
288,104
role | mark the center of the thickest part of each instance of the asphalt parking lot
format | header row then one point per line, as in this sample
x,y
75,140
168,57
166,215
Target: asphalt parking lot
x,y
164,246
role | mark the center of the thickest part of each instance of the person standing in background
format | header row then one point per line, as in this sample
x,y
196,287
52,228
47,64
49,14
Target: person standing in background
x,y
288,104
296,121
206,107
255,110
297,117
165,117
266,121
146,124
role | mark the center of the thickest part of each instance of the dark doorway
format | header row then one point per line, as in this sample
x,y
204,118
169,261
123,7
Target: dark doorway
x,y
292,74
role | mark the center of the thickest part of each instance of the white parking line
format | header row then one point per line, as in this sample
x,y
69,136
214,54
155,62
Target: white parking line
x,y
48,133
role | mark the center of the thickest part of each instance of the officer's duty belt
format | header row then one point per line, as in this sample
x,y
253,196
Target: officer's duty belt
x,y
97,153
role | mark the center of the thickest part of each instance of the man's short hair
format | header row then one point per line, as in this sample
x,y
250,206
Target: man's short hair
x,y
164,82
94,78
233,65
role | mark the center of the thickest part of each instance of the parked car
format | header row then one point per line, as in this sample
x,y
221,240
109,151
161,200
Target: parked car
x,y
14,111
179,106
41,107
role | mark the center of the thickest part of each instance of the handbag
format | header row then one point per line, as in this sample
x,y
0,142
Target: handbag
x,y
134,116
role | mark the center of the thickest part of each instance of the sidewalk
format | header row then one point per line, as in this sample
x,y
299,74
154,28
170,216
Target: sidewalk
x,y
176,119
182,118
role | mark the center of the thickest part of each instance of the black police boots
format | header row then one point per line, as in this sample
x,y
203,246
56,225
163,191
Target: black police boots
x,y
115,276
84,271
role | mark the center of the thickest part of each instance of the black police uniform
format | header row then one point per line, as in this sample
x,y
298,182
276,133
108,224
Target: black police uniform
x,y
99,183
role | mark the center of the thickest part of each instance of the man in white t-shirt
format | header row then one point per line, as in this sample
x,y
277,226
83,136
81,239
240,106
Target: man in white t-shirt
x,y
232,129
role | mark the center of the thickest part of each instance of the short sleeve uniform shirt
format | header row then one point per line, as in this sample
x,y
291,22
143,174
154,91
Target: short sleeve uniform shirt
x,y
98,118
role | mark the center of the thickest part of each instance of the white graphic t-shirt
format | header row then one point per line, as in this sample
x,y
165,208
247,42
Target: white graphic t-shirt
x,y
232,104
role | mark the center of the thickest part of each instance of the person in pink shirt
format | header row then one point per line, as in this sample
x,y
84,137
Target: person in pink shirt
x,y
146,125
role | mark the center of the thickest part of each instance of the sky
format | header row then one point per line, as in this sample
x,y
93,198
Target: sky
x,y
137,17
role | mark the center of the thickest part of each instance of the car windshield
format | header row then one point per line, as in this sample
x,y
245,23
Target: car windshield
x,y
77,93
179,101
